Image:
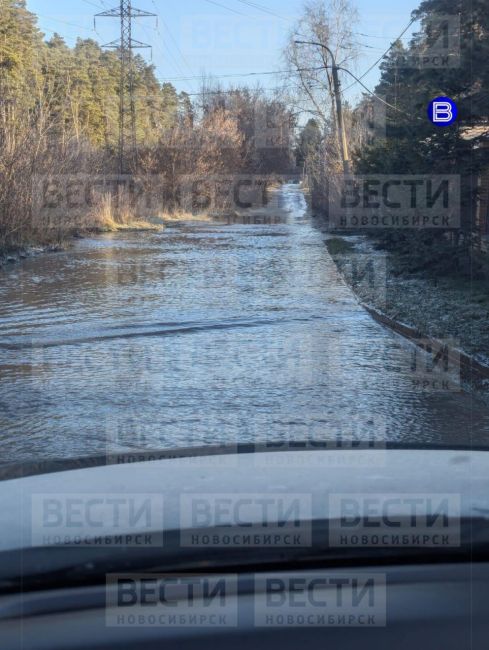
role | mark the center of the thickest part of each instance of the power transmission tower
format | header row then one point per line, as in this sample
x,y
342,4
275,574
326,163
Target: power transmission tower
x,y
126,44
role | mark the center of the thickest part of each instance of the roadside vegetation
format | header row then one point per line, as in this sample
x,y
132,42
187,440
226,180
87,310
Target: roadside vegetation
x,y
407,142
59,117
434,280
59,111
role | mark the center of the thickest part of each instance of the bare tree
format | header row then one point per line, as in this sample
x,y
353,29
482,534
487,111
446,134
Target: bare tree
x,y
330,23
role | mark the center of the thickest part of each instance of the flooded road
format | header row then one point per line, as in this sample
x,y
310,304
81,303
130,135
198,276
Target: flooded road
x,y
205,334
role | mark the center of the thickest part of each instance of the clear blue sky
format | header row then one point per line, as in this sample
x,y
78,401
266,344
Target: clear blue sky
x,y
219,37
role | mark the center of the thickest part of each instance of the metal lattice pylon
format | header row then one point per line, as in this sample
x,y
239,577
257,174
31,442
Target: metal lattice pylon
x,y
127,106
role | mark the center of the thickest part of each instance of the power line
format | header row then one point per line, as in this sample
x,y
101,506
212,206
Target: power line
x,y
389,38
384,38
65,38
232,91
371,91
218,4
243,74
126,44
94,4
177,48
254,5
169,56
362,45
65,22
182,56
382,56
358,80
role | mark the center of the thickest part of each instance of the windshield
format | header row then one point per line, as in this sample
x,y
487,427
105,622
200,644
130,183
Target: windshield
x,y
237,229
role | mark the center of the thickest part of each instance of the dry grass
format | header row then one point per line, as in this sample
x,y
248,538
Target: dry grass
x,y
107,217
184,216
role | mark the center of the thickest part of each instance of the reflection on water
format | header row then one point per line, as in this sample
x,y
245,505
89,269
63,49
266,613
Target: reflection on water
x,y
254,219
203,334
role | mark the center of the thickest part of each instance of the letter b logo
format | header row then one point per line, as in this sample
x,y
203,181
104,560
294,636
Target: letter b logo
x,y
442,111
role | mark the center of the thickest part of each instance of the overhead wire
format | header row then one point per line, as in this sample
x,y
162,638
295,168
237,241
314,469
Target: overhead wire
x,y
218,4
382,55
262,8
247,74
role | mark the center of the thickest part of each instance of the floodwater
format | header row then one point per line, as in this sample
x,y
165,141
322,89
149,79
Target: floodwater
x,y
206,334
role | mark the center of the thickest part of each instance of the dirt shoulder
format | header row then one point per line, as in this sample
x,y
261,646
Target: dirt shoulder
x,y
448,309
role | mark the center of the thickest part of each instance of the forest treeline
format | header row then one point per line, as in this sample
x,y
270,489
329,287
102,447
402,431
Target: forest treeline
x,y
405,141
59,115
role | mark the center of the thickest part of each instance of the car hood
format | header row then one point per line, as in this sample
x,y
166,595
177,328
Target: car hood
x,y
320,474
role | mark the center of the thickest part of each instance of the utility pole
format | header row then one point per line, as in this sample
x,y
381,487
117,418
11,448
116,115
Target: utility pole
x,y
125,45
341,124
339,108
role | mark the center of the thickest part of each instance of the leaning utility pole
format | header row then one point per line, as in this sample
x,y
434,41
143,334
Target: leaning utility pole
x,y
339,109
341,123
126,44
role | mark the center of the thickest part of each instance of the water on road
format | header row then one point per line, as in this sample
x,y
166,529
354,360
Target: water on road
x,y
205,334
